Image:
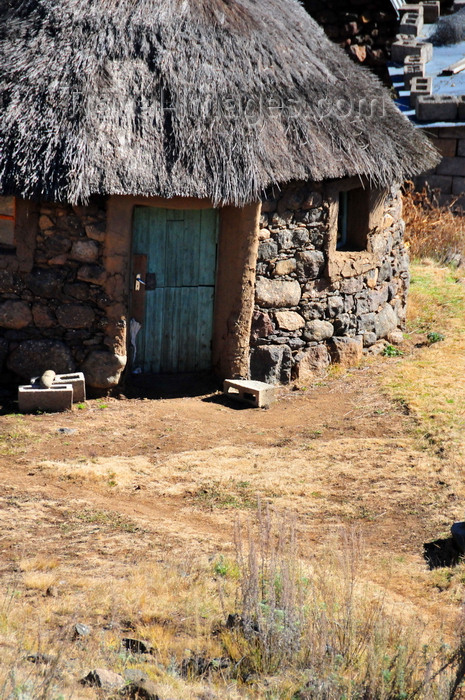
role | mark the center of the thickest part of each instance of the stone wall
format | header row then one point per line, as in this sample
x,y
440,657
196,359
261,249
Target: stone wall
x,y
64,295
305,319
447,180
53,312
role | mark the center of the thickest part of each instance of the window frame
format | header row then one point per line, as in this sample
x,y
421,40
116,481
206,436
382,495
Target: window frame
x,y
342,260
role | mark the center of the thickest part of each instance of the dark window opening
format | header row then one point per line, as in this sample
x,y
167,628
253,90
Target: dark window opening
x,y
7,225
352,220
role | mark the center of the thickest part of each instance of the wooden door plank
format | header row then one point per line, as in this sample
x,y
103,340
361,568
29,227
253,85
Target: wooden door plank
x,y
167,338
178,320
191,350
154,338
175,328
208,239
156,244
183,349
187,257
205,326
175,214
192,236
174,258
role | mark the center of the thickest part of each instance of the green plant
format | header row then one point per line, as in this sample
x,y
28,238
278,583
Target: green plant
x,y
220,567
392,351
434,337
225,568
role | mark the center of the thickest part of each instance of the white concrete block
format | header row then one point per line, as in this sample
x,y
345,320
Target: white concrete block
x,y
409,46
420,86
256,394
59,397
411,24
77,381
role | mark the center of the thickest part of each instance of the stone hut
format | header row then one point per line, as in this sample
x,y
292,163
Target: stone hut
x,y
194,185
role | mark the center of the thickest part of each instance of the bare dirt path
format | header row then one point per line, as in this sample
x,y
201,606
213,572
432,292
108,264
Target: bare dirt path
x,y
130,479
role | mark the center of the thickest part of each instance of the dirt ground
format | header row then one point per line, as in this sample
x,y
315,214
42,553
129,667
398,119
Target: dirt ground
x,y
119,481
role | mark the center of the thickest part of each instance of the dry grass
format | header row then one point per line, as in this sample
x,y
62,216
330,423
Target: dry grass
x,y
16,436
172,608
429,381
316,629
40,563
310,476
118,473
139,543
327,623
432,231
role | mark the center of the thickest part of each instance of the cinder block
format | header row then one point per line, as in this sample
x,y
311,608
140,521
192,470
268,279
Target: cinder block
x,y
426,51
413,70
410,8
256,394
32,398
454,202
451,132
411,24
436,108
431,11
452,166
420,86
409,46
458,206
413,59
77,381
403,46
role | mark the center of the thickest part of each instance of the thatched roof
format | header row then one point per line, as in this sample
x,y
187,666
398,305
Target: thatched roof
x,y
207,98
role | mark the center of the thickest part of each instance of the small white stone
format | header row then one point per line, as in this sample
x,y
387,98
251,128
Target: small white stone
x,y
289,320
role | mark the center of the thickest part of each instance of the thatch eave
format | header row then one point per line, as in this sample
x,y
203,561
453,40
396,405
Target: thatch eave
x,y
202,98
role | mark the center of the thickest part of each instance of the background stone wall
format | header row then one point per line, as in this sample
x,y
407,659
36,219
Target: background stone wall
x,y
448,178
55,314
303,320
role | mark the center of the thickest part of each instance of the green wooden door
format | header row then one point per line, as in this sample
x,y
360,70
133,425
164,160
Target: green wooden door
x,y
178,248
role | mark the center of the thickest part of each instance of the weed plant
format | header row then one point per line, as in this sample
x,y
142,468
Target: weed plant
x,y
432,231
326,629
392,351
